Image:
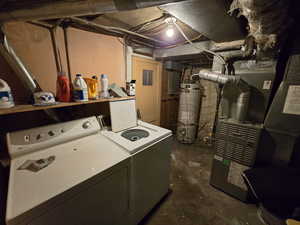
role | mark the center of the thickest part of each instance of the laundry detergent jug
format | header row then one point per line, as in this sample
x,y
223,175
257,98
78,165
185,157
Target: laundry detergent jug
x,y
80,89
6,98
63,90
92,84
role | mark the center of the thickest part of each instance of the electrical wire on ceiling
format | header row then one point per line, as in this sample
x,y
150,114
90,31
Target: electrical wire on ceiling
x,y
155,30
155,27
151,27
199,48
183,42
142,28
120,41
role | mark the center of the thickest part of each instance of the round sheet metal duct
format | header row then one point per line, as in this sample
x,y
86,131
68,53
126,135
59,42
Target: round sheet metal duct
x,y
17,65
244,96
37,10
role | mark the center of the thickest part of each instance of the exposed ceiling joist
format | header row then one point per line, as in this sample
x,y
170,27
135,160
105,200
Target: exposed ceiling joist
x,y
115,29
29,10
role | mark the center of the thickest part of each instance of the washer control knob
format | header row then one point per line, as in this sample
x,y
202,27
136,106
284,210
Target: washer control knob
x,y
86,125
51,133
39,136
27,138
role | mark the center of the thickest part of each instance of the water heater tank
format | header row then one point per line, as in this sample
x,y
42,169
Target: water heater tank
x,y
191,94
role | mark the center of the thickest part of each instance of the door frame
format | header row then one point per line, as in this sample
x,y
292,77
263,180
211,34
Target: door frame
x,y
137,58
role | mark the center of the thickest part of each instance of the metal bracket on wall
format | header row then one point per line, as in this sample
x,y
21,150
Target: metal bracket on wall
x,y
52,28
65,29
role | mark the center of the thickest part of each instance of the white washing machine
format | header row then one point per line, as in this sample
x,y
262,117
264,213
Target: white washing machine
x,y
150,147
67,174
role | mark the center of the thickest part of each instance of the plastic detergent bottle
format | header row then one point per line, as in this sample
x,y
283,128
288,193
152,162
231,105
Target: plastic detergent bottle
x,y
104,86
96,89
80,89
63,91
92,84
6,98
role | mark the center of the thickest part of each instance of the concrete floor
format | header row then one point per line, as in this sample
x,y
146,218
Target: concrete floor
x,y
192,200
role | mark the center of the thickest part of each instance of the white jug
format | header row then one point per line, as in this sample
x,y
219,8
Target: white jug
x,y
80,89
6,98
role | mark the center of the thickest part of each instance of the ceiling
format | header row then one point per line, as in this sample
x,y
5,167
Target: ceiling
x,y
154,23
200,20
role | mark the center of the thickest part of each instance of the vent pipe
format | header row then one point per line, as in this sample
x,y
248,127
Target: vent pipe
x,y
16,64
21,71
37,10
244,96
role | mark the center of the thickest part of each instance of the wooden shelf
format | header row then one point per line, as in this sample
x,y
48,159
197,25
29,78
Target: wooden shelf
x,y
28,108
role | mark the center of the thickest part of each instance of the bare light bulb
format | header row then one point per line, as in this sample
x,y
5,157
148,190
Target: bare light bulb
x,y
170,32
170,21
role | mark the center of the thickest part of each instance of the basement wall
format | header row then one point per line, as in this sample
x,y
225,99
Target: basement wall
x,y
90,54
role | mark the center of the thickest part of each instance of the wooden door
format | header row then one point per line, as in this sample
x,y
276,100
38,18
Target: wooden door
x,y
147,74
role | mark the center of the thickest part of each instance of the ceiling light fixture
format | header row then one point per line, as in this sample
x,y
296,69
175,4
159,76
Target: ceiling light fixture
x,y
170,21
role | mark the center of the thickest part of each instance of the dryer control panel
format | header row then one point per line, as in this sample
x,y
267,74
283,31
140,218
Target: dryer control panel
x,y
35,139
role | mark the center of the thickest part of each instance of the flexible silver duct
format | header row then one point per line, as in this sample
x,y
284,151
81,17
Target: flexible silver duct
x,y
244,96
66,8
21,71
16,64
211,76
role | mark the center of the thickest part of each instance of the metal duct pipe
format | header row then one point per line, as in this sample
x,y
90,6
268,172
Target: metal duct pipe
x,y
35,10
222,79
248,53
244,96
21,71
242,106
211,76
67,49
16,64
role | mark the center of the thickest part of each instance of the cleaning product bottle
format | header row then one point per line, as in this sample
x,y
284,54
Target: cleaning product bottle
x,y
63,91
104,86
6,98
96,89
92,84
80,89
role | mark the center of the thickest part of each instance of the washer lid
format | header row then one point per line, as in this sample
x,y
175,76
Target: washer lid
x,y
155,134
122,114
74,162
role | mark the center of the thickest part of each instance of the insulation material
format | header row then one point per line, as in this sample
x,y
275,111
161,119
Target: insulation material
x,y
268,20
